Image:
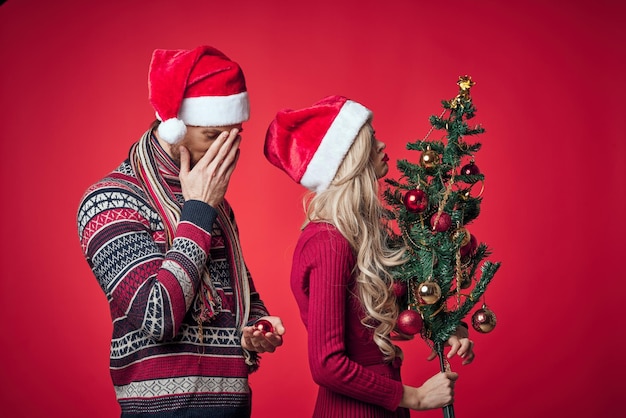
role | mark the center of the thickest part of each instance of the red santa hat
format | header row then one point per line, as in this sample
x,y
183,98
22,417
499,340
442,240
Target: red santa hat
x,y
198,87
310,144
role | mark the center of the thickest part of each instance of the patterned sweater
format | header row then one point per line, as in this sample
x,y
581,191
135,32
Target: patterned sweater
x,y
158,364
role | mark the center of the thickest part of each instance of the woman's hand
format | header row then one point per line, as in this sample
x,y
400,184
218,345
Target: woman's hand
x,y
436,392
459,344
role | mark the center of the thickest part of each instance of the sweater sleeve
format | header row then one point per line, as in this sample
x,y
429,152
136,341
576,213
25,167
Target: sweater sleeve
x,y
328,259
123,244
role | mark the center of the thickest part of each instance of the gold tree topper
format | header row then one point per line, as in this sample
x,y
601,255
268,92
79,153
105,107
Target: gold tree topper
x,y
465,83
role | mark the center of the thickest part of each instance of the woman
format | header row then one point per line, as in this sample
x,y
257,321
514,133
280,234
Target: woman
x,y
339,273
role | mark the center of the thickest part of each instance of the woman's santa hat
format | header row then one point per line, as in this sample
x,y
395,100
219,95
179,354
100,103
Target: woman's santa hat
x,y
310,144
198,87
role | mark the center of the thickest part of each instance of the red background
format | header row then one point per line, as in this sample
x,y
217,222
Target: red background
x,y
550,92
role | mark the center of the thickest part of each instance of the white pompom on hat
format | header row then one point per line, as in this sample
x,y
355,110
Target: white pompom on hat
x,y
198,87
310,144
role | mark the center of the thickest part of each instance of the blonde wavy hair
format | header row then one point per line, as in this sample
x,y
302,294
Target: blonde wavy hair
x,y
351,203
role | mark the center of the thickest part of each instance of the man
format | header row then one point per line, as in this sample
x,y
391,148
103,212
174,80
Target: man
x,y
164,246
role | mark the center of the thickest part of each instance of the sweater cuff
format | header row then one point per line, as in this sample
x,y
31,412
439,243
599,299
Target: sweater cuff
x,y
396,397
199,213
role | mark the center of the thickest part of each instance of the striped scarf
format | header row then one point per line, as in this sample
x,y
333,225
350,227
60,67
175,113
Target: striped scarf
x,y
152,168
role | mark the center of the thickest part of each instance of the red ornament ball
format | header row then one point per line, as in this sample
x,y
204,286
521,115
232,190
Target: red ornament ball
x,y
264,326
484,320
443,223
470,169
470,247
399,289
415,200
409,322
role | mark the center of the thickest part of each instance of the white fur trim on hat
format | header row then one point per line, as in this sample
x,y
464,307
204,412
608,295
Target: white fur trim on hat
x,y
334,146
171,130
215,110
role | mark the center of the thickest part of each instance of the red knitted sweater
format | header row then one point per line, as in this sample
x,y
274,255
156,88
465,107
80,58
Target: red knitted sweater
x,y
344,360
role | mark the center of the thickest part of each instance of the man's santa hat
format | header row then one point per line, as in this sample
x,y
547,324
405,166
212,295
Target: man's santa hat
x,y
200,87
310,144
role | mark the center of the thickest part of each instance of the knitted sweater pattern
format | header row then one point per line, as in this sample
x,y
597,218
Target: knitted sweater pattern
x,y
158,364
354,381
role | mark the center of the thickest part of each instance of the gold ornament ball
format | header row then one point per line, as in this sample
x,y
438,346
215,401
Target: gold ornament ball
x,y
429,159
484,320
462,231
429,292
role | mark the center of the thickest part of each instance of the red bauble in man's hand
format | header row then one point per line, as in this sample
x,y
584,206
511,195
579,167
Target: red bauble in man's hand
x,y
264,326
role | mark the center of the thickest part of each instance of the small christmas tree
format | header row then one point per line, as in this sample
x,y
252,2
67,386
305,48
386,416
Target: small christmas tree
x,y
433,203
